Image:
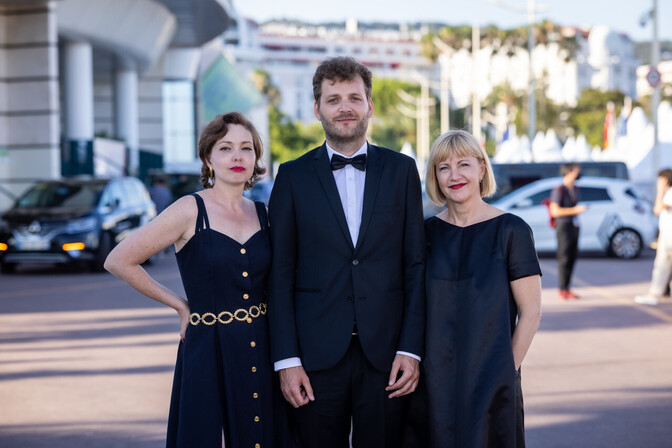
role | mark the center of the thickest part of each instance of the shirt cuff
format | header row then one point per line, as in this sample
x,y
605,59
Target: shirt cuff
x,y
409,354
287,363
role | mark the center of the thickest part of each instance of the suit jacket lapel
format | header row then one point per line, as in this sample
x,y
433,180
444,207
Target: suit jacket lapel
x,y
324,174
374,166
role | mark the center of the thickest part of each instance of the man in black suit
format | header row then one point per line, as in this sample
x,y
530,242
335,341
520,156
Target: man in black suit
x,y
346,294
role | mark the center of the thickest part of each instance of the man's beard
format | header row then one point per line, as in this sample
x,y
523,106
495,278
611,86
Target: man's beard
x,y
344,137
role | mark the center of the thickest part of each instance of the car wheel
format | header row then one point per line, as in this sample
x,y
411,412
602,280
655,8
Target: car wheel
x,y
625,244
7,268
104,249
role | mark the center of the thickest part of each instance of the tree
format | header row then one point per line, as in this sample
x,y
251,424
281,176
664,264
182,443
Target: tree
x,y
588,116
389,127
287,139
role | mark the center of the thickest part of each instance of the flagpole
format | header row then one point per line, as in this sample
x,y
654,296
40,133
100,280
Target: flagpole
x,y
655,98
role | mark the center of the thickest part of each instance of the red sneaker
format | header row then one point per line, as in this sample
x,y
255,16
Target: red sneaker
x,y
563,294
571,295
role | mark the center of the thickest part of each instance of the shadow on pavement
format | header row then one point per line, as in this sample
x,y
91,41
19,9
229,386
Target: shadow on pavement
x,y
83,434
597,317
88,372
630,421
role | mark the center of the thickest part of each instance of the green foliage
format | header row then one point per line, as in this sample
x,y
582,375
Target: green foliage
x,y
458,37
262,80
588,116
455,37
389,127
289,139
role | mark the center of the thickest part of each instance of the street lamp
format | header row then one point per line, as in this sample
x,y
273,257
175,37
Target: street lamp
x,y
531,10
654,80
444,61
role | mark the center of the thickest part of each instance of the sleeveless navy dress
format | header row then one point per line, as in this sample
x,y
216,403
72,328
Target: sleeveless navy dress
x,y
223,376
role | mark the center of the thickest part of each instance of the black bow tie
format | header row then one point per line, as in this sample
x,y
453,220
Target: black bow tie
x,y
338,162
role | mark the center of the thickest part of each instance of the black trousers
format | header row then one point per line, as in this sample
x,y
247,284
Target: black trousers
x,y
568,249
351,394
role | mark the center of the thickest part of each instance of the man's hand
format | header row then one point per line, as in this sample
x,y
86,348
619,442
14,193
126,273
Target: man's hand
x,y
295,386
408,381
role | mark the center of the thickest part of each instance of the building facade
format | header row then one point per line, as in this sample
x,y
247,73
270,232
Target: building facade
x,y
289,52
74,70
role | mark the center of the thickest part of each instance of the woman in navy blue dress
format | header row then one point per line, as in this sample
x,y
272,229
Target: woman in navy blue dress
x,y
483,305
223,388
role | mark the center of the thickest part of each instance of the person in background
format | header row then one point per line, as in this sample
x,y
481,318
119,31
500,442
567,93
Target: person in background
x,y
662,265
565,209
223,392
483,284
346,295
160,195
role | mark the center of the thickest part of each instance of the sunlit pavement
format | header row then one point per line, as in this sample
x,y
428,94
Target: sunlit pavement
x,y
87,362
84,361
599,373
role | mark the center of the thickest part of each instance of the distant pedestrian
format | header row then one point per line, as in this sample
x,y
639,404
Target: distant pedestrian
x,y
160,195
662,265
564,209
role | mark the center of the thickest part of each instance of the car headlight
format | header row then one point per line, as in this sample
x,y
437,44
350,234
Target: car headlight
x,y
82,225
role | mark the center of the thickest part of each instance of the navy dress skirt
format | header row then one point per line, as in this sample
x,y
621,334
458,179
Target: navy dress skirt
x,y
470,393
223,376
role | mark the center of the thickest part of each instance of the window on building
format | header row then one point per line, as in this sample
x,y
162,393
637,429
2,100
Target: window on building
x,y
179,121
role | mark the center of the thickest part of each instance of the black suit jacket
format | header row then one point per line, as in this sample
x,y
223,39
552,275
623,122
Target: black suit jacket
x,y
320,283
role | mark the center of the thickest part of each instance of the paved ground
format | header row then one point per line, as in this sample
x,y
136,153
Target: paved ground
x,y
87,362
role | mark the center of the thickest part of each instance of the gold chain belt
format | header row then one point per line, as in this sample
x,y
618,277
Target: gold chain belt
x,y
226,317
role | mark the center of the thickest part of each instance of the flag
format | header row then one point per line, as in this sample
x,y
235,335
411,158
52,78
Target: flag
x,y
609,128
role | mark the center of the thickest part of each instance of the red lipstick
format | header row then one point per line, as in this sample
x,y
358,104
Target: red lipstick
x,y
457,186
237,169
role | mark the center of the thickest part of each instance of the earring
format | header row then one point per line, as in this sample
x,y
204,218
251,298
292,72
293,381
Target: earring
x,y
211,179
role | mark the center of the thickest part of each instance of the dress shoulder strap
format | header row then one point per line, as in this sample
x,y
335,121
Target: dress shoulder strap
x,y
202,221
261,214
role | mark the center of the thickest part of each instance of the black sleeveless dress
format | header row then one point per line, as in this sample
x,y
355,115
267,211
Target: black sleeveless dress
x,y
223,376
470,395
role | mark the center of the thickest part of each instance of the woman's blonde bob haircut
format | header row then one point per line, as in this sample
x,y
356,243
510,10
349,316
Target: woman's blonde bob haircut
x,y
457,143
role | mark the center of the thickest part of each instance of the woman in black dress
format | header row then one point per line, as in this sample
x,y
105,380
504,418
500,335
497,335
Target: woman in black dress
x,y
223,392
483,303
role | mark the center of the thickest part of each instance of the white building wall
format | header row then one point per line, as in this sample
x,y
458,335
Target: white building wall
x,y
290,55
604,60
28,96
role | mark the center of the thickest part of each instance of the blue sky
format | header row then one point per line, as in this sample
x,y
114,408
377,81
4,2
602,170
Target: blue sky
x,y
621,15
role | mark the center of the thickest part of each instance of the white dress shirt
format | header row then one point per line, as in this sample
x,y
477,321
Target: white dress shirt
x,y
350,184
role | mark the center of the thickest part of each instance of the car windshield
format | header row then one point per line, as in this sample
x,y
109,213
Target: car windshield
x,y
56,194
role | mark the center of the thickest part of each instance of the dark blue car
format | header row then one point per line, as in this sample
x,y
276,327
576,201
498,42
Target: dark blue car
x,y
75,220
